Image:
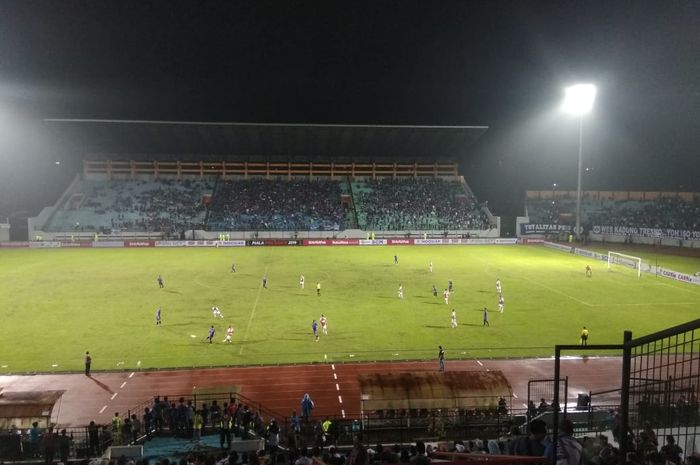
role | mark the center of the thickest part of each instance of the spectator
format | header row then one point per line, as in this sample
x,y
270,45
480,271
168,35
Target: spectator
x,y
569,450
532,444
671,451
64,443
49,442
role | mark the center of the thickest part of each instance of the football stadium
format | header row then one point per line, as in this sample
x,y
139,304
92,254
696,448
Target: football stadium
x,y
198,288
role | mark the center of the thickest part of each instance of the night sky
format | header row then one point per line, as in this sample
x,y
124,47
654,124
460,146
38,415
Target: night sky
x,y
500,64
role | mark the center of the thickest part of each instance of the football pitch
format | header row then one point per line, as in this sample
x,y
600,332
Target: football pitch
x,y
56,304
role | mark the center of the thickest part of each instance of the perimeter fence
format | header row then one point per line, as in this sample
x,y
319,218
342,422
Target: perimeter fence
x,y
659,382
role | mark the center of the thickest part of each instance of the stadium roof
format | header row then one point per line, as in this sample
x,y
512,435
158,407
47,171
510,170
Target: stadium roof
x,y
173,140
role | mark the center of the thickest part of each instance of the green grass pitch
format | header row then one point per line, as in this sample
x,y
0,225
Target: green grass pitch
x,y
56,304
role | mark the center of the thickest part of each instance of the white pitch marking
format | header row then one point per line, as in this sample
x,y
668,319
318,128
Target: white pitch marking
x,y
583,302
103,409
114,395
252,313
122,386
333,366
335,376
342,411
131,375
525,405
340,399
515,395
337,388
480,364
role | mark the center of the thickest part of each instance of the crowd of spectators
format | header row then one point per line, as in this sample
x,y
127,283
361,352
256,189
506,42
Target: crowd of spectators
x,y
155,206
387,204
663,213
166,206
269,205
171,206
669,213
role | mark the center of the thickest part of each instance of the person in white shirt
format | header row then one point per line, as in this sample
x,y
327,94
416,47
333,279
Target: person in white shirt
x,y
229,334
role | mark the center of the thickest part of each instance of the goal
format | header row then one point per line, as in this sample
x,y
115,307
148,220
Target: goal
x,y
628,261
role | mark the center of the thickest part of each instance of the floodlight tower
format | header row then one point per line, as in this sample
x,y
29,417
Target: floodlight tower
x,y
578,101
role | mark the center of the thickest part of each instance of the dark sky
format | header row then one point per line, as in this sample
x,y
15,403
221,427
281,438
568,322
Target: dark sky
x,y
501,64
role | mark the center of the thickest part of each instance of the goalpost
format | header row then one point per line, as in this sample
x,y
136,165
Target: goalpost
x,y
629,261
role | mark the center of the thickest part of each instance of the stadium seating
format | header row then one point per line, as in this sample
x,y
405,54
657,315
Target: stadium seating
x,y
269,205
387,204
169,206
662,213
165,206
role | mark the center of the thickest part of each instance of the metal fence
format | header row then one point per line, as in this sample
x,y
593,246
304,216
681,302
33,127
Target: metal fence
x,y
659,382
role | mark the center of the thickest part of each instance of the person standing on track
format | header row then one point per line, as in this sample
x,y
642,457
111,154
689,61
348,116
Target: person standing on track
x,y
307,405
88,363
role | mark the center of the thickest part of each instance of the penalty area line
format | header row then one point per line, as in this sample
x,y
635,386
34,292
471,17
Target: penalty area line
x,y
252,313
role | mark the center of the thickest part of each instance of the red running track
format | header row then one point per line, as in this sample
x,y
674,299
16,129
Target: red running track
x,y
333,387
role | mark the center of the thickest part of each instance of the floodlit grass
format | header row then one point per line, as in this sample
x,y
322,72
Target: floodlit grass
x,y
649,254
56,304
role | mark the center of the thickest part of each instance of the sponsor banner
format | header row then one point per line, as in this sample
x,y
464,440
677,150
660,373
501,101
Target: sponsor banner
x,y
170,243
686,278
337,242
662,233
139,243
563,248
590,254
274,242
314,242
373,241
75,244
400,241
14,245
525,240
200,243
506,241
239,243
99,244
543,228
494,241
428,241
44,245
343,242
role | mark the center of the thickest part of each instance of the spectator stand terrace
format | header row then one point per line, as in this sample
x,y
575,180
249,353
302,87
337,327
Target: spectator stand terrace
x,y
196,199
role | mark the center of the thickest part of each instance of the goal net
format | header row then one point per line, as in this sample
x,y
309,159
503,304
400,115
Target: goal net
x,y
627,261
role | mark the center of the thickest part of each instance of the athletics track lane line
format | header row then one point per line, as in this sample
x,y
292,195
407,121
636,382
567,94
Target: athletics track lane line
x,y
252,314
337,388
104,407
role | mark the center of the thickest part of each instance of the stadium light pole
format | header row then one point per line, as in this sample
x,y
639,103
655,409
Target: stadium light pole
x,y
578,101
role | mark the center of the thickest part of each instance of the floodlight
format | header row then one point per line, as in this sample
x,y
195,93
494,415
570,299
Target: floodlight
x,y
578,99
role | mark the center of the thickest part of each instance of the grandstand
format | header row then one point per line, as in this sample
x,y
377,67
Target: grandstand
x,y
374,184
150,206
153,201
610,215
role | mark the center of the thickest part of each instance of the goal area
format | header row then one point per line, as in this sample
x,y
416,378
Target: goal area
x,y
627,261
